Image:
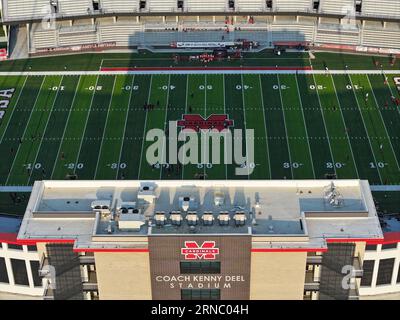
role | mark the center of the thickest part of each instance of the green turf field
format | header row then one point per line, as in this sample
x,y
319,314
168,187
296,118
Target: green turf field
x,y
305,126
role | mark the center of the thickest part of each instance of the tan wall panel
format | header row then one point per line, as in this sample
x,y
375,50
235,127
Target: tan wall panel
x,y
277,275
123,275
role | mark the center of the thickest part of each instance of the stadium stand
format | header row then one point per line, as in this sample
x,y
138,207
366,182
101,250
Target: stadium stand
x,y
388,8
206,6
68,7
250,5
336,6
132,23
25,9
162,5
290,5
120,5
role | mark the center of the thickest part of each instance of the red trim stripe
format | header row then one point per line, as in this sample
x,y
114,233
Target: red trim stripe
x,y
111,250
291,250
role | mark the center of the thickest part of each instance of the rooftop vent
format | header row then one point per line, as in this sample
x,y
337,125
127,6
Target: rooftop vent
x,y
186,203
223,218
240,219
219,199
101,205
208,218
147,192
176,218
160,218
333,196
192,218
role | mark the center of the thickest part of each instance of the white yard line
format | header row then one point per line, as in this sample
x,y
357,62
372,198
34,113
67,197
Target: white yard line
x,y
126,121
66,125
326,128
384,125
284,123
104,129
186,108
194,71
165,126
43,135
205,115
305,126
245,129
365,128
144,128
345,126
225,154
13,109
84,129
265,127
26,128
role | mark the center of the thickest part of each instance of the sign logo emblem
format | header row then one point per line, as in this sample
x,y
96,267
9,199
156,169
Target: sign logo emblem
x,y
193,251
196,122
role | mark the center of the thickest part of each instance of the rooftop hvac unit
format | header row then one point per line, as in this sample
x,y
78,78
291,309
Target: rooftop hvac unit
x,y
240,218
208,218
333,196
131,221
223,218
186,203
147,192
219,199
101,205
176,218
159,218
124,207
192,218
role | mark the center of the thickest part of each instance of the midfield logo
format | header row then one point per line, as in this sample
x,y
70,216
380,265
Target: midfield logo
x,y
193,251
196,122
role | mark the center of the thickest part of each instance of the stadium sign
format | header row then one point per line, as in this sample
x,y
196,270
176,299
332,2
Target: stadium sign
x,y
207,251
5,96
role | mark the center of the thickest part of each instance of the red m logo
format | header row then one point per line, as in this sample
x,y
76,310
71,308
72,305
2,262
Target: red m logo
x,y
197,122
193,251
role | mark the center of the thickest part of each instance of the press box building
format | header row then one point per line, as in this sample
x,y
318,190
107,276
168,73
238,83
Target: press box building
x,y
202,239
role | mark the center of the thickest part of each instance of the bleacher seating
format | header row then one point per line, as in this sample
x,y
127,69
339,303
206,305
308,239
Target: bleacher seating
x,y
381,38
337,6
292,32
119,5
25,9
206,5
250,5
74,7
337,36
123,34
162,5
383,8
290,5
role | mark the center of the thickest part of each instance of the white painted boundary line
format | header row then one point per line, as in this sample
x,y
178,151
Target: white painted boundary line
x,y
199,71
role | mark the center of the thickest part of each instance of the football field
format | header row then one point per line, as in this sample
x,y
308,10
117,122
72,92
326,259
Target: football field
x,y
93,126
